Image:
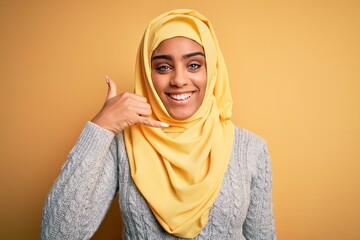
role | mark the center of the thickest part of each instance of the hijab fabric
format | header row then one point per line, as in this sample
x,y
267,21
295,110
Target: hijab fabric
x,y
179,170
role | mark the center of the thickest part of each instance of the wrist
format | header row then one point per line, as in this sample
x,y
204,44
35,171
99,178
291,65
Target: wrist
x,y
99,121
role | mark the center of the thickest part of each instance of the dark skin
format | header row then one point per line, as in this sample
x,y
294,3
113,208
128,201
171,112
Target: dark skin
x,y
179,76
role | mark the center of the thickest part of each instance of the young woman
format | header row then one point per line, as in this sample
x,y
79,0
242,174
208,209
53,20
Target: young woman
x,y
180,166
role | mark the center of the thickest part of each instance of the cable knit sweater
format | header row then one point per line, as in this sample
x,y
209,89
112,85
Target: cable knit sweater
x,y
97,168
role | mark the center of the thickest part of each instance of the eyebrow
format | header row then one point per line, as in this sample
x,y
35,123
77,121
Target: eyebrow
x,y
168,57
189,55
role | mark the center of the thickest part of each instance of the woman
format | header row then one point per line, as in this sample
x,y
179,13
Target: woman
x,y
181,168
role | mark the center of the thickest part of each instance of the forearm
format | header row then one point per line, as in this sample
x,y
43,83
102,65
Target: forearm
x,y
83,191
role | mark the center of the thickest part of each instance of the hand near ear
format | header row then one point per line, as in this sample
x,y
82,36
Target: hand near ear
x,y
123,110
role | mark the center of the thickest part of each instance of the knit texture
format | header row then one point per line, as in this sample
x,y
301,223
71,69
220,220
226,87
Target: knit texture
x,y
97,168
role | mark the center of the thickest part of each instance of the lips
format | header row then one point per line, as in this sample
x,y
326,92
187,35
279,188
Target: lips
x,y
180,97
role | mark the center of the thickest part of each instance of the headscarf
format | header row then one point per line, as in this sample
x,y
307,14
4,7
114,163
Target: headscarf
x,y
179,170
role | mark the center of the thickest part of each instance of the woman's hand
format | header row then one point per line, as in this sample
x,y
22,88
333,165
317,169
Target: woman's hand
x,y
124,110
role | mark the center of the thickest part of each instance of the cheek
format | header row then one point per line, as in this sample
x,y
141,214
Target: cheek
x,y
201,80
158,82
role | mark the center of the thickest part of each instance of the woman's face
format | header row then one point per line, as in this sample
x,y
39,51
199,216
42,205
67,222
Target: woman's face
x,y
178,72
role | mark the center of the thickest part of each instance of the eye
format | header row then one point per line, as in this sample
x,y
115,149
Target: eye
x,y
162,68
194,66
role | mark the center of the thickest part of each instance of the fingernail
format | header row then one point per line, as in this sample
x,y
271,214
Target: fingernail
x,y
107,79
164,124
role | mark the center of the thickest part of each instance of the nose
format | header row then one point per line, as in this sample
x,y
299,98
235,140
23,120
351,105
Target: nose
x,y
178,78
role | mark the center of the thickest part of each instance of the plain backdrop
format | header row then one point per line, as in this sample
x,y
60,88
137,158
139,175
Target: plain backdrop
x,y
295,78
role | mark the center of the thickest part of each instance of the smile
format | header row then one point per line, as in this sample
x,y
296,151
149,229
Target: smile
x,y
180,97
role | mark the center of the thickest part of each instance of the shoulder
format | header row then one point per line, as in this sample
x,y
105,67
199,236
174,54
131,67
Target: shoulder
x,y
251,141
252,147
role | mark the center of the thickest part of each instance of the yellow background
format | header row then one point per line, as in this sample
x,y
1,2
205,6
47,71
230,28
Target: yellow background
x,y
295,77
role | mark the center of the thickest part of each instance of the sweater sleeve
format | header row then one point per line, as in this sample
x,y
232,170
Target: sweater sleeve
x,y
259,222
85,188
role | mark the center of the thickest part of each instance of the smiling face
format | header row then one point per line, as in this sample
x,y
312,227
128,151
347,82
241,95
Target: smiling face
x,y
178,72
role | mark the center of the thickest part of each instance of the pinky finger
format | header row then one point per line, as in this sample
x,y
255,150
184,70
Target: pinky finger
x,y
153,123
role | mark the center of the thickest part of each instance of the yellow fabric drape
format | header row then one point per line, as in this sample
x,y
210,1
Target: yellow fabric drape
x,y
180,174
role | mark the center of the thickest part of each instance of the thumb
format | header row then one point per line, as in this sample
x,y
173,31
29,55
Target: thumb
x,y
112,88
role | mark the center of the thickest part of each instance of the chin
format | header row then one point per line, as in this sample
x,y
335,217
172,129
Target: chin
x,y
181,116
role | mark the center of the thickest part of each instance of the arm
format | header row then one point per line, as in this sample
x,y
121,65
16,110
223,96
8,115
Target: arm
x,y
259,222
82,194
88,181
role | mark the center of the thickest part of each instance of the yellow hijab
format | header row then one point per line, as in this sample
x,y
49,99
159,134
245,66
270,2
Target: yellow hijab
x,y
179,170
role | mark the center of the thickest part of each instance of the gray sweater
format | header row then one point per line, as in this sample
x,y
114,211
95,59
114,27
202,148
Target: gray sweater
x,y
97,168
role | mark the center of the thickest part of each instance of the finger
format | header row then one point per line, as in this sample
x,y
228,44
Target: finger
x,y
112,88
139,98
142,109
153,123
134,96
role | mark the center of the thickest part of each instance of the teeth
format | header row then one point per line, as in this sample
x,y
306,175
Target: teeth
x,y
181,96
